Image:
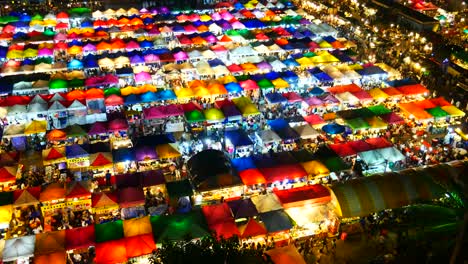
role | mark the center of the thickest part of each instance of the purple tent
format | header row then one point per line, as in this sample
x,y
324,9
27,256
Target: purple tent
x,y
304,21
142,77
89,48
45,52
131,197
329,99
136,59
243,208
98,128
231,112
264,66
145,153
127,180
181,56
152,178
314,101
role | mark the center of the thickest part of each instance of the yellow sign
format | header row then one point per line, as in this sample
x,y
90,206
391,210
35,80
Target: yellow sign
x,y
74,205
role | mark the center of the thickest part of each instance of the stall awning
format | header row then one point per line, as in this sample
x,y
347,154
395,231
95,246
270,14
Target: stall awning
x,y
297,197
81,237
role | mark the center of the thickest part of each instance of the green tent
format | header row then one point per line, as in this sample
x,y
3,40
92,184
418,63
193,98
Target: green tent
x,y
232,32
76,83
357,123
437,112
37,17
242,78
9,19
310,54
47,60
265,84
363,112
49,32
79,10
75,131
334,164
379,109
112,90
6,198
178,189
58,84
179,226
194,116
109,231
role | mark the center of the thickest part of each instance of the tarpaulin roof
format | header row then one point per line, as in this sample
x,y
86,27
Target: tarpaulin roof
x,y
266,202
81,237
75,151
315,168
104,200
285,255
139,245
179,226
109,231
252,176
238,138
50,242
243,208
276,221
167,151
131,196
298,197
343,149
110,252
25,197
51,192
20,247
137,226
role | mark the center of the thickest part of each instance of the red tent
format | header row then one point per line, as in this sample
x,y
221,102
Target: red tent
x,y
440,101
226,229
61,15
9,158
94,93
360,145
252,229
378,142
425,104
392,92
343,149
413,89
216,214
6,175
352,88
252,176
100,160
30,193
314,119
81,237
312,194
111,252
139,245
283,172
103,200
78,189
118,125
129,197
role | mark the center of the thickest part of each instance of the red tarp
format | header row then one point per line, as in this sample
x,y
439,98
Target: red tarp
x,y
378,143
118,125
34,191
100,160
440,101
216,214
343,149
6,176
252,229
129,197
103,199
252,176
360,145
283,172
81,237
413,89
77,190
139,245
352,88
425,104
111,252
113,100
312,194
226,229
314,119
392,92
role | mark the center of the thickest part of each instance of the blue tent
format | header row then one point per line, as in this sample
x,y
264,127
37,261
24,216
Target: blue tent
x,y
20,35
275,98
290,76
159,51
131,100
146,44
277,124
148,21
3,52
329,39
215,62
6,88
333,129
398,83
257,77
21,24
149,97
122,155
90,62
316,91
282,128
238,5
233,87
238,138
166,95
291,63
241,164
25,17
372,70
75,65
272,75
178,28
75,42
75,151
276,221
86,24
323,77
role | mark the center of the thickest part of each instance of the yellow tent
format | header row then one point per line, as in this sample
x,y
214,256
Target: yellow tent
x,y
325,45
201,91
106,62
315,168
280,83
305,62
214,114
205,18
228,79
128,90
184,92
137,226
167,151
36,22
36,127
5,214
14,54
250,109
50,22
30,53
376,123
453,111
378,94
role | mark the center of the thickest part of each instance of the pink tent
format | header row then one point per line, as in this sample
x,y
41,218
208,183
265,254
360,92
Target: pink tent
x,y
180,56
292,97
237,25
182,18
89,48
45,52
118,125
226,15
215,16
174,110
194,17
363,95
248,85
98,128
154,31
132,45
184,40
142,77
211,39
111,79
190,29
151,58
60,37
154,112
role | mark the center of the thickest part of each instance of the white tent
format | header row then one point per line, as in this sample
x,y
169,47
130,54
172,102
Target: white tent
x,y
195,55
278,66
266,203
57,97
209,54
14,129
36,108
17,110
347,97
57,106
221,70
20,247
391,154
267,136
204,69
306,131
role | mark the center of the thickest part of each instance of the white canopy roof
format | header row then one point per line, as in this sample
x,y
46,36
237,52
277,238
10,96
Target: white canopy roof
x,y
203,68
20,247
268,136
37,107
306,131
17,110
347,97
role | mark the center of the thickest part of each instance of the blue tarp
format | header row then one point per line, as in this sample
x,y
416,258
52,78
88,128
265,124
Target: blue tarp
x,y
291,63
289,77
25,17
323,77
233,87
329,39
146,44
238,138
166,95
131,99
398,83
86,24
75,151
148,97
215,62
275,98
316,91
333,129
241,164
372,70
90,62
121,155
277,124
75,65
272,75
276,221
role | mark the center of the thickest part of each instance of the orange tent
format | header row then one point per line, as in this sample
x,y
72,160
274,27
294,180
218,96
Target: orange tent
x,y
94,93
198,40
59,257
54,191
117,44
216,88
352,88
196,83
112,22
75,95
225,39
56,135
136,22
75,50
124,21
50,242
285,255
202,28
103,46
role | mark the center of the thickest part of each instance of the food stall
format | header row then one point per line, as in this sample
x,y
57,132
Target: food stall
x,y
53,202
77,160
105,207
78,199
